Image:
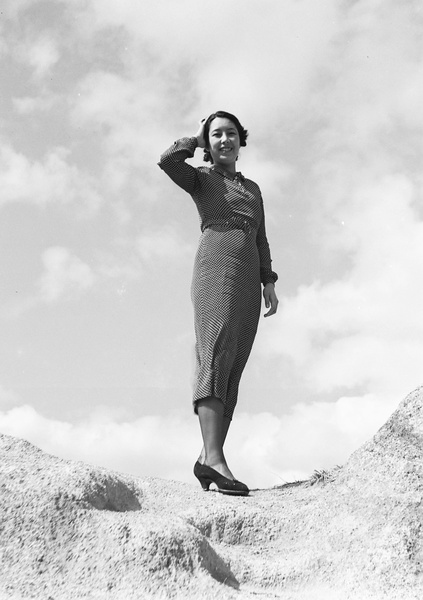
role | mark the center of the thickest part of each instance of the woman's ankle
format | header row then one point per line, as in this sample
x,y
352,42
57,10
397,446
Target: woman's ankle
x,y
214,458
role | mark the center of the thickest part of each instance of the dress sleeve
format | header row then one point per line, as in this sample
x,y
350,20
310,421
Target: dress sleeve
x,y
172,161
266,273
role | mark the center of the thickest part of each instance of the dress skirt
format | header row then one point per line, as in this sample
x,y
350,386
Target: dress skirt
x,y
226,294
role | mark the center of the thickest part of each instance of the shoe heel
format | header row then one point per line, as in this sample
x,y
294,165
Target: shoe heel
x,y
205,483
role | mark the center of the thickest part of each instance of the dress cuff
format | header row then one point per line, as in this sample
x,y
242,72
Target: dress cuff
x,y
187,143
268,276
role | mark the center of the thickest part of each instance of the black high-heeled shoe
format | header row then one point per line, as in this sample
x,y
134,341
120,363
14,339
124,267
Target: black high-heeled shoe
x,y
206,475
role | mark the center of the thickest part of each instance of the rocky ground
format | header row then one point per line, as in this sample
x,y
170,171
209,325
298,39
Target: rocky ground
x,y
72,531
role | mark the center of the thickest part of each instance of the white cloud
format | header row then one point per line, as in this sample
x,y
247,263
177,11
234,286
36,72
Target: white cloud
x,y
262,449
358,324
164,244
42,55
331,93
52,180
7,397
150,446
64,272
125,113
3,45
160,94
365,329
12,8
310,436
125,105
29,104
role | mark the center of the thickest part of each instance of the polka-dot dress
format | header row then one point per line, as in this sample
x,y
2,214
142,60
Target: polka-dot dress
x,y
232,260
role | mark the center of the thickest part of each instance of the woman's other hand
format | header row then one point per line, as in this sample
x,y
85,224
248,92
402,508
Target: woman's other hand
x,y
270,299
200,135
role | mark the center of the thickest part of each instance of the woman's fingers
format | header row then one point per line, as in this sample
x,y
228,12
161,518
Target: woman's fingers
x,y
271,300
271,312
200,134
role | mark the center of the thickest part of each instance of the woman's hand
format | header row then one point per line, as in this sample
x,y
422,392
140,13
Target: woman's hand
x,y
200,135
270,299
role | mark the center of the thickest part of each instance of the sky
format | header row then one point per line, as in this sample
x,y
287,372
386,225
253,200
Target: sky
x,y
97,244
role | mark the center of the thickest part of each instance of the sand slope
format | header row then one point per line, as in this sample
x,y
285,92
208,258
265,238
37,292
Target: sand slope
x,y
72,531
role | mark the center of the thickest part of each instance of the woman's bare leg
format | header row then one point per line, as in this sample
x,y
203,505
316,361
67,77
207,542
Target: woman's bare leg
x,y
225,426
214,427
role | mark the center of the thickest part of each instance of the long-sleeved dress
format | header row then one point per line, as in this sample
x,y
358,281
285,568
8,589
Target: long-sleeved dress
x,y
232,259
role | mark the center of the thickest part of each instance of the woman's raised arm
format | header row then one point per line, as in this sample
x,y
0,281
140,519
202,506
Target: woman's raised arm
x,y
172,161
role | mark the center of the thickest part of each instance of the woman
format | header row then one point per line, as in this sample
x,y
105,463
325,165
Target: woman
x,y
232,259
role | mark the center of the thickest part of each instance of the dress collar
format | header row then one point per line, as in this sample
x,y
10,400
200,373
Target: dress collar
x,y
237,177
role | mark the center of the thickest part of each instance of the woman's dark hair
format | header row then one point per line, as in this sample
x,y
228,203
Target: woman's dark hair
x,y
243,133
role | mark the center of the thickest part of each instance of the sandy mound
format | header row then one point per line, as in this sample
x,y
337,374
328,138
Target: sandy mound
x,y
71,531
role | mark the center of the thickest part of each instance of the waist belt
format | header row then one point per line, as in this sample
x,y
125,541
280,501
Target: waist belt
x,y
234,222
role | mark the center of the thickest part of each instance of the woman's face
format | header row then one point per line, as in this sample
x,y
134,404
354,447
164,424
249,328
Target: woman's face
x,y
224,142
